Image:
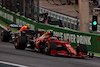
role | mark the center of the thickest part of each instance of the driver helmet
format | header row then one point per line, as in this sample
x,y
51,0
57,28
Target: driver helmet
x,y
51,32
27,24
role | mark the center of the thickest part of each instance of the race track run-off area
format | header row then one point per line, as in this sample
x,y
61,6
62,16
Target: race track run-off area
x,y
29,58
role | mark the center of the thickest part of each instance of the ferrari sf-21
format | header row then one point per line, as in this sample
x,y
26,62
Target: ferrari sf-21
x,y
49,44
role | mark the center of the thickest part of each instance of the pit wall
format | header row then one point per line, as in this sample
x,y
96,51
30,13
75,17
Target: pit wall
x,y
75,37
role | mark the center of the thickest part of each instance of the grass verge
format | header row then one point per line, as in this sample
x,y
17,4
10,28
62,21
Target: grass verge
x,y
98,54
5,25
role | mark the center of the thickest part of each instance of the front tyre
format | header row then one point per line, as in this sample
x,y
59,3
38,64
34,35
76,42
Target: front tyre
x,y
49,46
82,48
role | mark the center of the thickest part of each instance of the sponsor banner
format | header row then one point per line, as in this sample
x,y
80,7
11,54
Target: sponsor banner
x,y
79,39
21,20
75,37
6,15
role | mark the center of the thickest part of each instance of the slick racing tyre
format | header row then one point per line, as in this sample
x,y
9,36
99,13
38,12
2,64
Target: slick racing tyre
x,y
49,46
5,36
82,48
20,42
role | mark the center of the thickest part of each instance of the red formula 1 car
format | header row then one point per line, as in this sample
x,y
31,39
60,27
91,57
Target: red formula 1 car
x,y
49,44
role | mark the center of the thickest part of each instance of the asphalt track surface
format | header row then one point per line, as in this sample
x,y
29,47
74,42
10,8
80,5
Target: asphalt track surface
x,y
30,58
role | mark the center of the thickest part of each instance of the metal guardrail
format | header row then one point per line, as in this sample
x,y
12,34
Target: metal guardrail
x,y
66,20
57,15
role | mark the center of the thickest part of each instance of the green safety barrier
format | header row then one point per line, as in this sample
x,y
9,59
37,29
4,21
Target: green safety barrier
x,y
6,15
75,37
55,22
21,20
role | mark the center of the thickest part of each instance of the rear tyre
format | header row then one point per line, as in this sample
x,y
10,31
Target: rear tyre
x,y
82,48
49,46
5,36
20,42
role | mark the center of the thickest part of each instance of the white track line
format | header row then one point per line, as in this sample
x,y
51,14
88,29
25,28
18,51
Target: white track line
x,y
12,64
